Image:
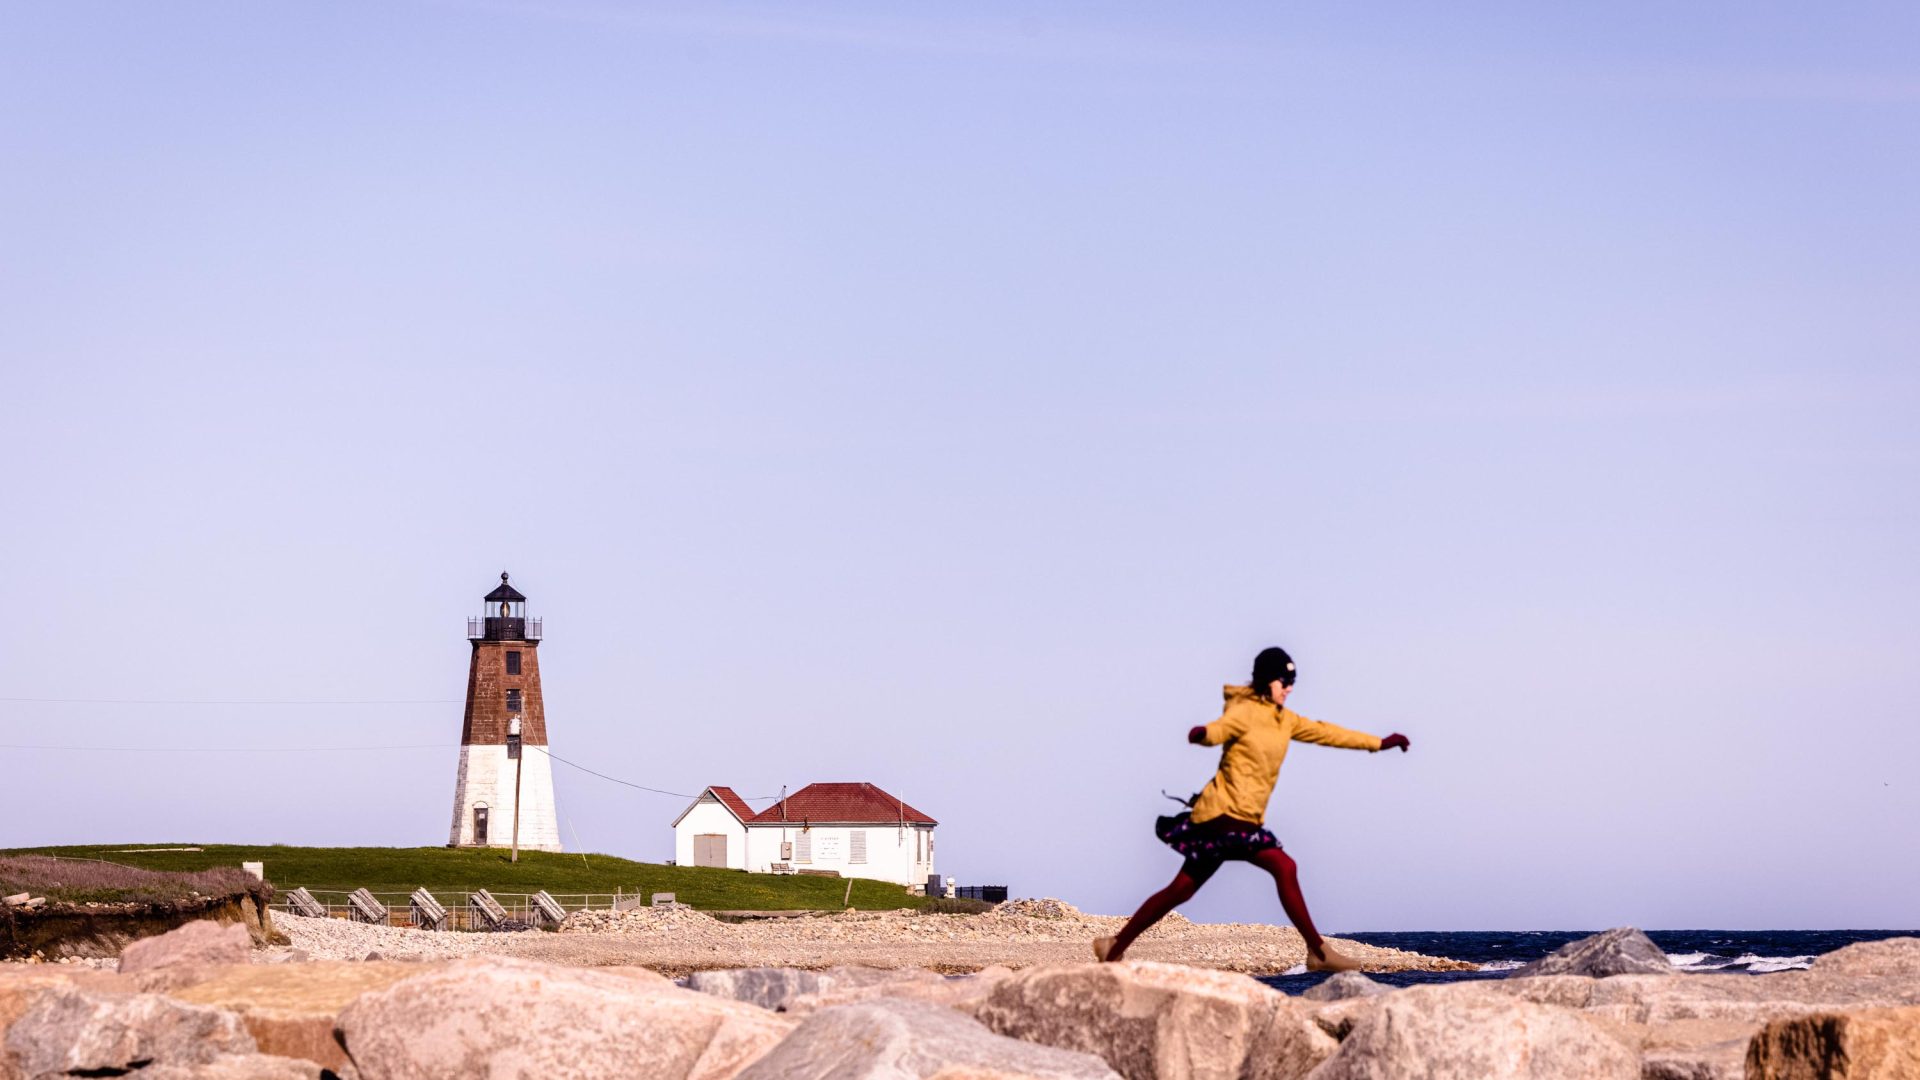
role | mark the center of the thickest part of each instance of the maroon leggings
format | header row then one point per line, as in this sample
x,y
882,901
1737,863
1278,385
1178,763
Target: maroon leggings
x,y
1195,872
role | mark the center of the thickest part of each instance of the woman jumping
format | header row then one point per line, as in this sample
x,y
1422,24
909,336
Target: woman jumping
x,y
1225,822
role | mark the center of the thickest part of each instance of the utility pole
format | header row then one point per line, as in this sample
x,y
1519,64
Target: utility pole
x,y
513,751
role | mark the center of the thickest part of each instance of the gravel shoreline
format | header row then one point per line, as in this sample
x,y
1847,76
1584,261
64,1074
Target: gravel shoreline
x,y
1021,933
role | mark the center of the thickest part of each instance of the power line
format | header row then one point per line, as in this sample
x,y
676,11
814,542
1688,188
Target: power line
x,y
224,749
199,701
627,783
331,749
604,776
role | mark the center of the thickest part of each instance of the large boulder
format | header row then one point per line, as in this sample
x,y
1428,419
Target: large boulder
x,y
1155,1021
772,987
68,1030
1714,1061
911,1040
290,1009
1344,985
1466,1031
1890,957
1620,951
240,1067
961,992
184,954
504,1017
1872,1044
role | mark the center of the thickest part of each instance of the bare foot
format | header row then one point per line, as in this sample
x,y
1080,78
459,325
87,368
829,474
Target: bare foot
x,y
1103,948
1329,960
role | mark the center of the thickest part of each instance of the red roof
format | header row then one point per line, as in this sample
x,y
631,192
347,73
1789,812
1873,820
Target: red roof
x,y
733,802
858,804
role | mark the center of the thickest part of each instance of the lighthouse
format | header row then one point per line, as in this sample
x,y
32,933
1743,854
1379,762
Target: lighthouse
x,y
504,789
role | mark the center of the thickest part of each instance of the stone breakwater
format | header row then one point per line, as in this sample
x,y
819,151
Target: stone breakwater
x,y
1018,934
188,1006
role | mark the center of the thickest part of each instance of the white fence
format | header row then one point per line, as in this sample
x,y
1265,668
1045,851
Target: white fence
x,y
519,906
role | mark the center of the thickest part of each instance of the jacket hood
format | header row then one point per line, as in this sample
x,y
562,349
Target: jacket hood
x,y
1234,693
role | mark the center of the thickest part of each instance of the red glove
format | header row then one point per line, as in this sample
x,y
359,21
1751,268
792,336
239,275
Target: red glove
x,y
1393,740
1198,734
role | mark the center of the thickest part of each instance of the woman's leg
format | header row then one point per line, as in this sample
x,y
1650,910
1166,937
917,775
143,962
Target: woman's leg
x,y
1193,874
1286,875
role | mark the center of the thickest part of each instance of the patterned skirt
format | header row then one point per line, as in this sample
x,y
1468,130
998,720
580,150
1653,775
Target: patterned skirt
x,y
1207,841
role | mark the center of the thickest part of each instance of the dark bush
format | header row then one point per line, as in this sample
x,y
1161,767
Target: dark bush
x,y
83,880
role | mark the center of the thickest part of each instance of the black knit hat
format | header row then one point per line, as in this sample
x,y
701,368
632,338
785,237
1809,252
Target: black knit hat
x,y
1272,665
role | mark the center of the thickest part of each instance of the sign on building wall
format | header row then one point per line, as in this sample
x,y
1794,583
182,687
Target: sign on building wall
x,y
827,847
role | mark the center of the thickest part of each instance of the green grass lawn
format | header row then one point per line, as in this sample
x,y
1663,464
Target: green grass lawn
x,y
450,873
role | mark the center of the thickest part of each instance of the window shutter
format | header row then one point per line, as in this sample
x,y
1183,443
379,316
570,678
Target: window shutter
x,y
857,846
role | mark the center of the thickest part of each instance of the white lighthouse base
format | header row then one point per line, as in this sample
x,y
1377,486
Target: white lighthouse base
x,y
486,780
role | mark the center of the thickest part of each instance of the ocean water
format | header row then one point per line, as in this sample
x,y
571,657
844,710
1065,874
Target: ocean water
x,y
1751,952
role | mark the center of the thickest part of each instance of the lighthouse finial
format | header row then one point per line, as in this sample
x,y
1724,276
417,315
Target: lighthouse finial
x,y
503,577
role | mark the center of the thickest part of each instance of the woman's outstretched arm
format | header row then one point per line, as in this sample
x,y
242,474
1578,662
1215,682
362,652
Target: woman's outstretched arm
x,y
1316,731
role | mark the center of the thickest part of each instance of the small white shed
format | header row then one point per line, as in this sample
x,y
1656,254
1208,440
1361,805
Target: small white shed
x,y
713,831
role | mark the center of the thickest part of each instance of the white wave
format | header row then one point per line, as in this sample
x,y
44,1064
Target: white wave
x,y
1687,959
1502,965
1761,965
1297,969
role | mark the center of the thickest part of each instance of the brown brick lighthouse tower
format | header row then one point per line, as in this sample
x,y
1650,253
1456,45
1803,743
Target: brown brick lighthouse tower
x,y
506,779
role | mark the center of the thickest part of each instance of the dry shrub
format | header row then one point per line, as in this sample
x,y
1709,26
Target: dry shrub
x,y
82,880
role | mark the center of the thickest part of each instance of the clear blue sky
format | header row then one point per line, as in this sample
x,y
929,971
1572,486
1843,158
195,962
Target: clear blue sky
x,y
954,397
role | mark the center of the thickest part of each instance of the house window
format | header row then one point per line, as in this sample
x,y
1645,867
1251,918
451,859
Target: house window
x,y
513,701
803,848
857,846
513,661
919,846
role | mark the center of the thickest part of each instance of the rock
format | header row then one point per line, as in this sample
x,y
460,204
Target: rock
x,y
1044,908
70,1030
1715,1061
1155,1021
1872,1044
910,1040
1565,991
290,1010
16,900
240,1067
507,1017
197,944
1620,951
772,987
1344,985
1891,957
913,985
1336,1018
1467,1031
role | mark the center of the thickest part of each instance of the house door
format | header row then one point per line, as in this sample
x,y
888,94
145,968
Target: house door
x,y
710,849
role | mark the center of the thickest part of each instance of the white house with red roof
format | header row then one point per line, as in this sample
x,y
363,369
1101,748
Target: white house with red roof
x,y
854,830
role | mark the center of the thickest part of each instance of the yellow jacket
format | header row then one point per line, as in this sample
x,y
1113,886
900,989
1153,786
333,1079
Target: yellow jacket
x,y
1257,733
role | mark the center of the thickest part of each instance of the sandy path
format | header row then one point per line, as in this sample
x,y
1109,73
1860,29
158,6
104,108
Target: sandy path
x,y
1023,934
